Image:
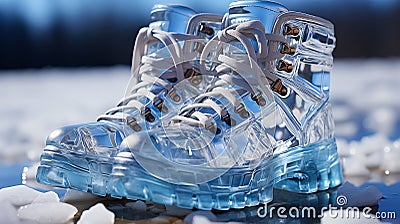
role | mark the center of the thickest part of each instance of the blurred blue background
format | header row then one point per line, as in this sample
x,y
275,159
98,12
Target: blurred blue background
x,y
66,33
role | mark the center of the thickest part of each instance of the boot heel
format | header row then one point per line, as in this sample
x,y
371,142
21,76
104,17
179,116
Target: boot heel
x,y
308,169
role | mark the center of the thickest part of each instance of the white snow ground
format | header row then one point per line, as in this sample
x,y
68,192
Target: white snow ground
x,y
365,96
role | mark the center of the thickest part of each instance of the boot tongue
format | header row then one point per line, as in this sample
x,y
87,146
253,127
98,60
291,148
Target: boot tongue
x,y
170,18
264,11
246,10
239,12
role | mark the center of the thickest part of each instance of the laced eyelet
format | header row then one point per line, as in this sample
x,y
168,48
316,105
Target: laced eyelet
x,y
241,110
228,120
146,113
286,49
278,87
198,47
131,122
159,104
289,30
284,66
257,96
210,127
194,77
174,96
203,28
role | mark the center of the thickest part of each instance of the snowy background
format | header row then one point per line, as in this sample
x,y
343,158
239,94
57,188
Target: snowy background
x,y
67,61
365,96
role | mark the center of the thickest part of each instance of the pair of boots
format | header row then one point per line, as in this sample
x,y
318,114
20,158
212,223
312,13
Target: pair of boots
x,y
219,111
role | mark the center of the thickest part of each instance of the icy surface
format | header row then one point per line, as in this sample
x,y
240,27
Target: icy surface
x,y
97,214
336,218
359,197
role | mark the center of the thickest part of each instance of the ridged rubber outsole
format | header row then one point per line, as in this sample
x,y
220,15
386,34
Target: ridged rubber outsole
x,y
234,189
62,170
301,169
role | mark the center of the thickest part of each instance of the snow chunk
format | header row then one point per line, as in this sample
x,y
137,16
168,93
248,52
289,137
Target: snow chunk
x,y
208,215
198,219
373,143
382,119
50,196
97,214
391,157
346,129
375,159
18,195
355,166
8,213
342,147
39,212
368,145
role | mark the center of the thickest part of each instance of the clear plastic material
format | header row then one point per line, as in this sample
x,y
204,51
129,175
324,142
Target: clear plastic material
x,y
251,113
297,170
155,87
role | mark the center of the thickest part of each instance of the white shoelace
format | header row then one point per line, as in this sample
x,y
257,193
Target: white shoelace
x,y
247,65
149,69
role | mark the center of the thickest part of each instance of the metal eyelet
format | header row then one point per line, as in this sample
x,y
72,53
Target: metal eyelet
x,y
228,120
241,110
286,49
131,122
174,96
284,66
210,127
198,47
194,77
146,113
159,104
289,30
257,96
278,87
203,28
189,73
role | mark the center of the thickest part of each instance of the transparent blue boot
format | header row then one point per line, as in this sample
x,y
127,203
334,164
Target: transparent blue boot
x,y
265,122
81,156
